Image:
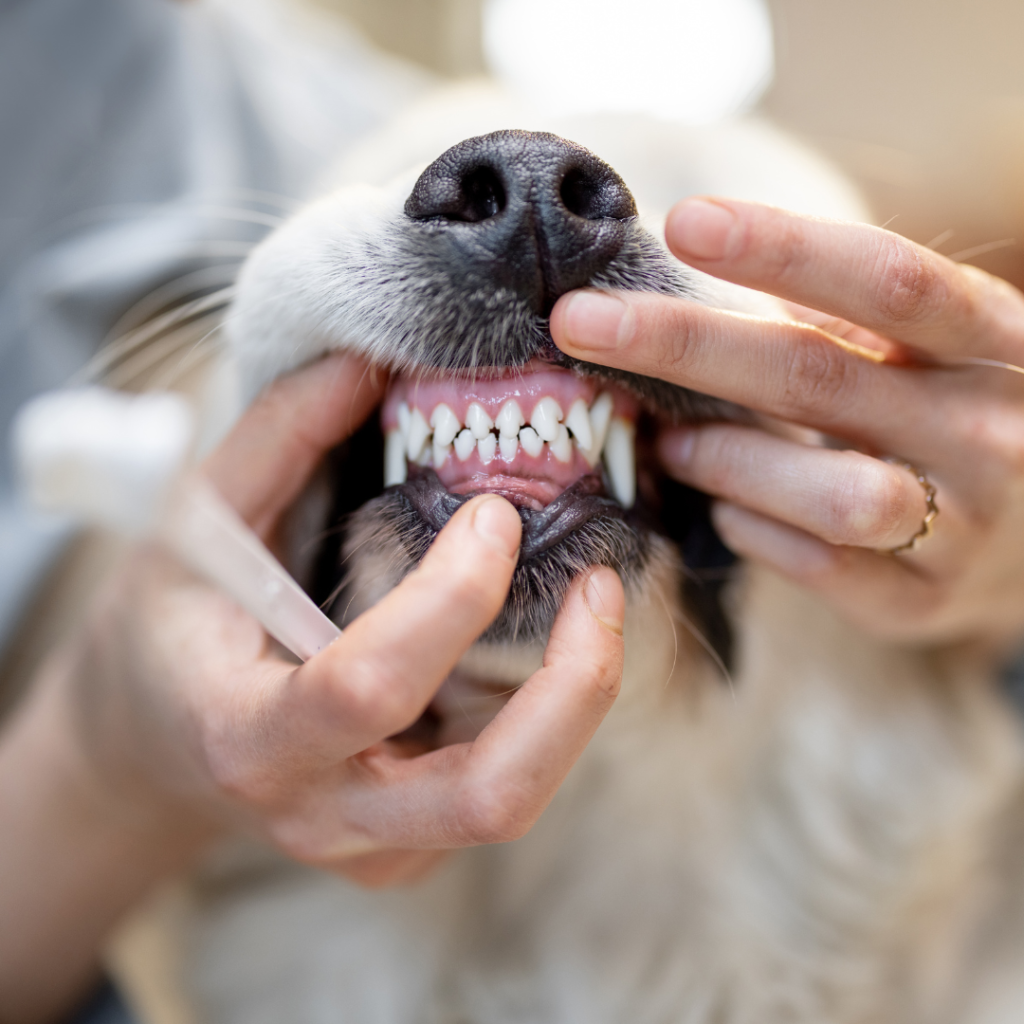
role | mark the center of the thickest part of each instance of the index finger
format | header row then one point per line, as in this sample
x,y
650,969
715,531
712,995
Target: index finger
x,y
869,276
270,454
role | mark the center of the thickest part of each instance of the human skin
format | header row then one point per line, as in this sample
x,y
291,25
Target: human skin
x,y
170,720
881,360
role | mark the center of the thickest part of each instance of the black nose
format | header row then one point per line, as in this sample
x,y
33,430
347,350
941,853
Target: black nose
x,y
527,211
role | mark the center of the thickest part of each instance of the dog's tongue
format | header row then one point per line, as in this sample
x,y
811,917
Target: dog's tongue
x,y
542,529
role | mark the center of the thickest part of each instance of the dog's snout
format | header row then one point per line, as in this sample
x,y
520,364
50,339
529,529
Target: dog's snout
x,y
527,211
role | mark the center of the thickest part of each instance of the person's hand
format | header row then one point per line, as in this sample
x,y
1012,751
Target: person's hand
x,y
882,363
172,720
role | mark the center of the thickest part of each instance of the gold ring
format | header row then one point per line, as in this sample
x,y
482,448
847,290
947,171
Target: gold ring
x,y
932,510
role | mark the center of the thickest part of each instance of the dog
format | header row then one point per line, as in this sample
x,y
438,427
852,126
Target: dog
x,y
782,819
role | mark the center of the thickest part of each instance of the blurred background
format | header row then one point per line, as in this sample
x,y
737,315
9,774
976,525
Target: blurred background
x,y
921,102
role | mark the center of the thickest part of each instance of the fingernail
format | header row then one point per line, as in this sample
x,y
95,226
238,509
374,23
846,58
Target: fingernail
x,y
701,229
498,524
594,320
676,446
604,598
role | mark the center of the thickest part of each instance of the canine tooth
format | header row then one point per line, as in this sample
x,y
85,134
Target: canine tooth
x,y
486,447
508,446
446,425
440,452
478,421
531,442
620,461
600,417
465,442
561,447
578,421
510,419
419,431
395,469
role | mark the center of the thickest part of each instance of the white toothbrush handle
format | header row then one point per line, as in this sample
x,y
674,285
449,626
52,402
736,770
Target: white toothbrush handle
x,y
212,539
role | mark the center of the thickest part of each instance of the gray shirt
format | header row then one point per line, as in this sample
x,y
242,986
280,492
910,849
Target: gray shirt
x,y
140,141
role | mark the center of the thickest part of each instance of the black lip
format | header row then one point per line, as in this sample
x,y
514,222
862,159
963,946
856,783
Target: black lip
x,y
542,529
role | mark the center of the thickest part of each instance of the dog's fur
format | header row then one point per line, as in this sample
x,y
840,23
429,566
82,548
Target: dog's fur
x,y
827,835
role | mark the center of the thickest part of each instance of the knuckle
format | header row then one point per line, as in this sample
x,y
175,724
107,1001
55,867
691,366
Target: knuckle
x,y
818,378
492,813
873,507
910,285
788,253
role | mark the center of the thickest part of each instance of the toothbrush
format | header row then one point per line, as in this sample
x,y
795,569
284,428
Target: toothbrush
x,y
117,461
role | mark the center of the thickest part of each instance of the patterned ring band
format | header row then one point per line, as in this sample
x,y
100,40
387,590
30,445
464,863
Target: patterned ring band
x,y
932,510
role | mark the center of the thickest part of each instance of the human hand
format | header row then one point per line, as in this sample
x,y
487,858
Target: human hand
x,y
187,701
882,361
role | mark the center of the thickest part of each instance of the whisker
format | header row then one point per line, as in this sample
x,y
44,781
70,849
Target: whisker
x,y
979,250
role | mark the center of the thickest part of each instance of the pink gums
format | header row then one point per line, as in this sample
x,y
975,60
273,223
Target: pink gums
x,y
527,481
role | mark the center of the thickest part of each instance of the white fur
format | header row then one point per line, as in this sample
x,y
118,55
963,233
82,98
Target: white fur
x,y
825,838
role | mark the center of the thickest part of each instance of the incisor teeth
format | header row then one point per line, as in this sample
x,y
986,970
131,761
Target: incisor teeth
x,y
440,452
416,438
578,421
508,446
464,444
446,425
561,447
531,442
478,421
600,417
486,447
620,461
403,419
545,418
510,419
394,458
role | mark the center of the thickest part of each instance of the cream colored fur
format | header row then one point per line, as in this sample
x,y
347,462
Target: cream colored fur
x,y
832,835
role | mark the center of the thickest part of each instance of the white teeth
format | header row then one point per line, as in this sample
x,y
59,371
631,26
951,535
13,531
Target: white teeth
x,y
561,447
464,444
478,421
426,456
394,458
578,421
486,447
508,446
403,419
620,461
440,452
531,442
416,438
600,417
545,419
446,425
510,419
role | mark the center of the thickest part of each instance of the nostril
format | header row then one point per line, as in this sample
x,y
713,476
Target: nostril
x,y
484,195
595,196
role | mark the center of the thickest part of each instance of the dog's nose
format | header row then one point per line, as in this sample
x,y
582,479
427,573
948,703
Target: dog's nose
x,y
527,211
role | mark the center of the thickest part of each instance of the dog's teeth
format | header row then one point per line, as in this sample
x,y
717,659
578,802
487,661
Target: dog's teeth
x,y
578,421
486,447
440,452
416,438
545,419
561,447
446,425
403,419
464,444
395,469
478,421
426,457
600,417
531,442
508,446
510,419
620,461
